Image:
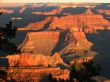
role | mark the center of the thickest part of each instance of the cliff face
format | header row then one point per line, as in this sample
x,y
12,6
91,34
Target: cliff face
x,y
85,22
36,67
81,41
49,42
104,11
53,12
39,74
6,11
38,60
40,42
88,18
22,9
38,25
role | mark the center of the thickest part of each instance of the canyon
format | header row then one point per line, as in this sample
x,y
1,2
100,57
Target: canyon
x,y
52,39
87,22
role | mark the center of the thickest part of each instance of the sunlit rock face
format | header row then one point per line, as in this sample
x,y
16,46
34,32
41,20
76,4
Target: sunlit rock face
x,y
39,74
39,60
49,42
40,42
22,9
104,11
81,41
38,25
41,66
76,21
6,11
88,18
53,12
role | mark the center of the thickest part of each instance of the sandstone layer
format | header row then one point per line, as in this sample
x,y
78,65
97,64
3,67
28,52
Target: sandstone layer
x,y
53,12
38,60
104,11
49,42
86,22
88,18
40,42
38,74
6,11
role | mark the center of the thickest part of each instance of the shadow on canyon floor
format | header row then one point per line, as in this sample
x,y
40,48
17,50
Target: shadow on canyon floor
x,y
77,10
101,45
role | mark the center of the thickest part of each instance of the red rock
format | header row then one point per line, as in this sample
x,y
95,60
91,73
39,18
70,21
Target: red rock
x,y
88,18
38,60
22,9
40,42
53,12
6,11
39,74
38,25
106,11
81,42
76,22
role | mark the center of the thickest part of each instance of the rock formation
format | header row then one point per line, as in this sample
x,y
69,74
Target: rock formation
x,y
88,19
51,42
22,9
38,25
53,12
86,22
104,11
6,11
38,74
47,40
38,60
81,41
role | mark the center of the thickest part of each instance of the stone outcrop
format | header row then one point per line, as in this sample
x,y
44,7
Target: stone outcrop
x,y
81,41
86,22
38,60
36,5
39,74
104,11
49,42
38,25
22,9
53,12
6,11
40,42
88,19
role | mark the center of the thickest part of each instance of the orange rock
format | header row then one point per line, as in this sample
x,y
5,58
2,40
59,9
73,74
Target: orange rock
x,y
6,11
53,12
106,11
40,42
22,9
76,22
26,59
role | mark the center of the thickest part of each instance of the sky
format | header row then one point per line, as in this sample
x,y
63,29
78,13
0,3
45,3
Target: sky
x,y
52,1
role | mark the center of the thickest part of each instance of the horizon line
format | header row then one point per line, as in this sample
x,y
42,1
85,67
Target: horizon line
x,y
55,1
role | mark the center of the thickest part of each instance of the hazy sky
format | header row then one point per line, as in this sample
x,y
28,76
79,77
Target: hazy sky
x,y
38,1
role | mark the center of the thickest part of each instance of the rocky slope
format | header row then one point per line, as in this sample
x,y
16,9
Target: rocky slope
x,y
41,66
40,42
88,18
49,42
104,11
38,25
6,11
86,22
53,12
22,9
38,60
